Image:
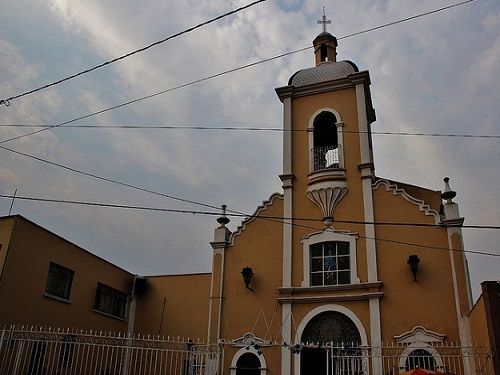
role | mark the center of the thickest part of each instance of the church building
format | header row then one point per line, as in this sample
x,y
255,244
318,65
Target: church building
x,y
343,261
343,272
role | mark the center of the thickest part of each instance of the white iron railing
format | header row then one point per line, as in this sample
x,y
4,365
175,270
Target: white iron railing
x,y
38,351
326,157
396,358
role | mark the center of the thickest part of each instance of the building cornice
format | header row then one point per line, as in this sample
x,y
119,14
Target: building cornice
x,y
334,293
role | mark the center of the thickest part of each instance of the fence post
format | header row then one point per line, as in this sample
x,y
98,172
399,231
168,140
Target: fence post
x,y
126,358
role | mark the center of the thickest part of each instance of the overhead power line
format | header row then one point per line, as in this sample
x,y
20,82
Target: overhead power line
x,y
106,179
7,101
251,129
151,96
231,71
241,215
274,218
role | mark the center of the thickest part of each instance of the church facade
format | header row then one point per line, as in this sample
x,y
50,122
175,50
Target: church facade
x,y
342,260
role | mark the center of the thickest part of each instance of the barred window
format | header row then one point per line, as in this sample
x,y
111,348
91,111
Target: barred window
x,y
110,300
59,281
330,263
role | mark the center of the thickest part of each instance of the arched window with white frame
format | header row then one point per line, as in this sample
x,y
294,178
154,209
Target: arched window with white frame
x,y
325,141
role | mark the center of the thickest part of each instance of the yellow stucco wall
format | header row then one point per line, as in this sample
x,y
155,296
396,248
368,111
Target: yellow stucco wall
x,y
174,305
351,206
259,247
408,303
24,278
478,325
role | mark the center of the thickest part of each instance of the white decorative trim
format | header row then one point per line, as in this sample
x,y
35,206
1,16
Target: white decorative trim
x,y
265,204
319,310
252,350
419,335
286,336
419,338
327,196
416,346
422,206
249,339
371,247
287,135
326,235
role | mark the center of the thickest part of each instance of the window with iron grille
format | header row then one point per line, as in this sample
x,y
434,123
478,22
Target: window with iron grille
x,y
330,263
59,281
110,301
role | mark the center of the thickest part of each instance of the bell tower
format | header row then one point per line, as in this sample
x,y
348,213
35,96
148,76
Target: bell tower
x,y
327,178
327,117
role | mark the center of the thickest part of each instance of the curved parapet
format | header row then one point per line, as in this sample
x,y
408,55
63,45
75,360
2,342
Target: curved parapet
x,y
395,190
265,204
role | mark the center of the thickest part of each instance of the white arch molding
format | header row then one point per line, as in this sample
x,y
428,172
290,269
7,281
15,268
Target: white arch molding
x,y
416,346
251,349
318,310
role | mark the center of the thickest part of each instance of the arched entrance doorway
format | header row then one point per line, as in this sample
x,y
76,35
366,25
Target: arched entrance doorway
x,y
331,345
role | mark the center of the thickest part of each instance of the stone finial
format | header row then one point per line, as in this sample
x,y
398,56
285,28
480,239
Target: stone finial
x,y
448,194
223,219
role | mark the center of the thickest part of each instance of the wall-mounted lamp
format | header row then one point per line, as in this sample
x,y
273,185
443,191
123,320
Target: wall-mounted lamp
x,y
247,274
413,261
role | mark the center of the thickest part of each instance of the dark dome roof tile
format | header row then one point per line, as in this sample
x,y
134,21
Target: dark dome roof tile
x,y
326,71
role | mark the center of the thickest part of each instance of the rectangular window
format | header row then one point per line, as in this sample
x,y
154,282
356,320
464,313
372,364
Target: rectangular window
x,y
59,281
330,263
110,301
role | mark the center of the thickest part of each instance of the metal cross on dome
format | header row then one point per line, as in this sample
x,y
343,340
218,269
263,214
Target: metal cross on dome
x,y
324,21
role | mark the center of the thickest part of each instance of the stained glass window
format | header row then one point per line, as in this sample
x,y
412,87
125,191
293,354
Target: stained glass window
x,y
330,263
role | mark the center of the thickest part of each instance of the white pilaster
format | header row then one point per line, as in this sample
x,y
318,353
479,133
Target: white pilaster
x,y
366,168
286,333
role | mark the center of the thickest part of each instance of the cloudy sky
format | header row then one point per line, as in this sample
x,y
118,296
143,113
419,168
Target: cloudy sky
x,y
436,74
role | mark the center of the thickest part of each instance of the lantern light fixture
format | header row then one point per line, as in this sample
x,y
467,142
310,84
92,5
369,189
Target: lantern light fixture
x,y
413,261
247,274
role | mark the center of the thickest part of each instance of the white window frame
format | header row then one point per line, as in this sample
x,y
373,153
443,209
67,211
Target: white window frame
x,y
329,235
340,136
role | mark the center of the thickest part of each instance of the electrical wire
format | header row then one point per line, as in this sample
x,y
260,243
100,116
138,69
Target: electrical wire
x,y
106,179
7,101
277,219
150,96
228,71
250,129
234,213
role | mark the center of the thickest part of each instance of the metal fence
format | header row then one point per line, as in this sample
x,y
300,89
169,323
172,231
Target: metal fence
x,y
37,351
396,358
